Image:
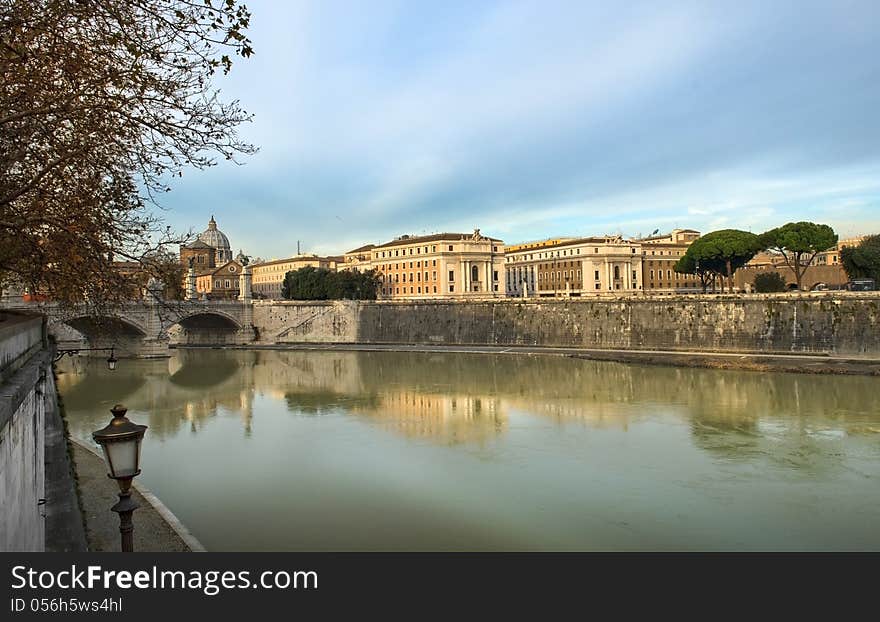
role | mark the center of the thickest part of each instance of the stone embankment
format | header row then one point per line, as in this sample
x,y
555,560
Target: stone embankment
x,y
840,324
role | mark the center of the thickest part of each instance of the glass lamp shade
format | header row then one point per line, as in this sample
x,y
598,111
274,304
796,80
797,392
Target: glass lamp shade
x,y
111,362
121,442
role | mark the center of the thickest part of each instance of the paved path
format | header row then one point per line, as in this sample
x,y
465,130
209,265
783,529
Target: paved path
x,y
155,528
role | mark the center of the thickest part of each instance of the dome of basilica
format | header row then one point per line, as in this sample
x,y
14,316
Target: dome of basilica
x,y
212,236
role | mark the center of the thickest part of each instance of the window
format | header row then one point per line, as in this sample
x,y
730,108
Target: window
x,y
495,275
420,290
419,277
596,275
217,283
595,250
434,275
451,276
450,249
616,273
434,262
634,275
426,276
435,289
434,250
475,274
404,277
597,286
411,289
232,268
452,288
652,275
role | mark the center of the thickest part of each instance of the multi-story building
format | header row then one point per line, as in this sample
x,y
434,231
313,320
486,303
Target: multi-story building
x,y
358,259
573,267
220,283
268,276
442,265
659,256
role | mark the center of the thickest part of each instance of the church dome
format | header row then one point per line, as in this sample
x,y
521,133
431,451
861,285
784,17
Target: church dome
x,y
212,236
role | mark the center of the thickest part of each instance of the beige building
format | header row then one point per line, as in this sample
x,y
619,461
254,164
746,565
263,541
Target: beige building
x,y
659,256
442,265
268,276
219,283
573,267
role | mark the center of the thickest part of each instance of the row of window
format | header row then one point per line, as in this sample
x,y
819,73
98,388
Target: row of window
x,y
418,251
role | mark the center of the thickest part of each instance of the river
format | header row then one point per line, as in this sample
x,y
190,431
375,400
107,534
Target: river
x,y
330,450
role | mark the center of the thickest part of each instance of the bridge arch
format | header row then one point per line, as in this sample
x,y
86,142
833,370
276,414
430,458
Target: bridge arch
x,y
203,327
124,335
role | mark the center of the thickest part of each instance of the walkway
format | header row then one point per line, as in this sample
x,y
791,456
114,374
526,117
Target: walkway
x,y
155,528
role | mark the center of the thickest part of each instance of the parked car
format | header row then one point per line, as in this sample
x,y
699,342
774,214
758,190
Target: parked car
x,y
862,285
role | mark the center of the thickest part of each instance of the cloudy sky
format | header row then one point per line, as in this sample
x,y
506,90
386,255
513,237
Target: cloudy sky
x,y
534,119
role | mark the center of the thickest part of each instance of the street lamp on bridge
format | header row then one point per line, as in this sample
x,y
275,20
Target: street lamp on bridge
x,y
120,441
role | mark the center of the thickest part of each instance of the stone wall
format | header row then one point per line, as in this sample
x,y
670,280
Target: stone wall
x,y
25,365
842,323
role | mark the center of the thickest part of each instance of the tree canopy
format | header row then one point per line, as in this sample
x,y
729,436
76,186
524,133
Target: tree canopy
x,y
799,243
862,261
102,104
321,284
720,252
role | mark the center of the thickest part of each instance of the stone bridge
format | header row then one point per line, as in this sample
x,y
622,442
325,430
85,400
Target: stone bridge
x,y
146,328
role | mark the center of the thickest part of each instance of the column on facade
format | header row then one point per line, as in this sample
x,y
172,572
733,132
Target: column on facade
x,y
609,274
627,278
490,283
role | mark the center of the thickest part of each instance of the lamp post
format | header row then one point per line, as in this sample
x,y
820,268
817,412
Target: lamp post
x,y
121,442
111,360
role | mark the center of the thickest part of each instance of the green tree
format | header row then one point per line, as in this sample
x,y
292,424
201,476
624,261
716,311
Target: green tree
x,y
321,284
799,243
689,265
862,261
724,252
767,282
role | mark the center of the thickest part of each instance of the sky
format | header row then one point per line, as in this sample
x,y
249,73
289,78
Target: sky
x,y
530,120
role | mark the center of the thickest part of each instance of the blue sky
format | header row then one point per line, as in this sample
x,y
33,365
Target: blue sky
x,y
534,119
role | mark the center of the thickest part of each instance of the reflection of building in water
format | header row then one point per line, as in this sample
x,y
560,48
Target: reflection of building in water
x,y
451,419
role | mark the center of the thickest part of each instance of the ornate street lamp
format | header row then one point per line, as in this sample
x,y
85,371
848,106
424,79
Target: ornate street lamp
x,y
121,442
72,353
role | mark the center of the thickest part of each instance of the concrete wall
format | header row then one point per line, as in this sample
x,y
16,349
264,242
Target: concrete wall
x,y
24,368
842,323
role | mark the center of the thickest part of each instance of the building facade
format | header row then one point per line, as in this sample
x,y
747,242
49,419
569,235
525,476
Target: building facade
x,y
442,265
268,276
220,283
659,256
573,267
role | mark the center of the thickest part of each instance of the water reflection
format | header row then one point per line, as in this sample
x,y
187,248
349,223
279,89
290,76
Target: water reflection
x,y
468,398
390,451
